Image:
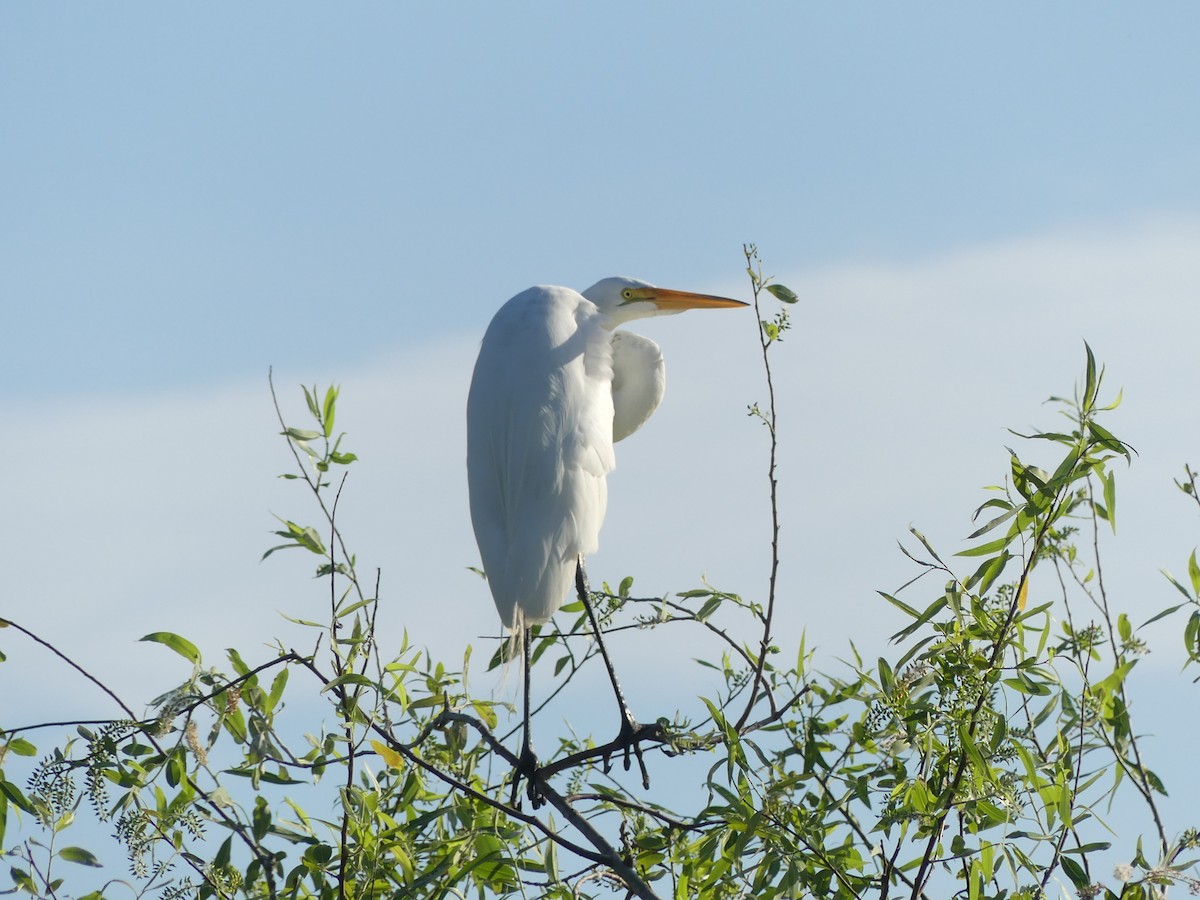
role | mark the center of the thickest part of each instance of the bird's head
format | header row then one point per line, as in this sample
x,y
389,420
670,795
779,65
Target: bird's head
x,y
625,299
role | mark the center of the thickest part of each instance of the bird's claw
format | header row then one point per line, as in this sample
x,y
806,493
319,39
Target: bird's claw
x,y
630,738
527,768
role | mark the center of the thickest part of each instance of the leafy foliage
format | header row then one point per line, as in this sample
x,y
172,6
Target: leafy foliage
x,y
976,760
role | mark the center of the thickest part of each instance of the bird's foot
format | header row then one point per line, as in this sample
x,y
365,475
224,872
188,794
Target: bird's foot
x,y
527,768
629,740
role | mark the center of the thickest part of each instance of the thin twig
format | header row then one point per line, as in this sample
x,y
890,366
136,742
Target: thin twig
x,y
765,645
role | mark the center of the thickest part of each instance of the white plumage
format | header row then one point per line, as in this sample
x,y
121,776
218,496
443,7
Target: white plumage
x,y
554,386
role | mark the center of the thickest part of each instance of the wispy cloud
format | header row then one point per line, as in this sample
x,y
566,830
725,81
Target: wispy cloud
x,y
126,515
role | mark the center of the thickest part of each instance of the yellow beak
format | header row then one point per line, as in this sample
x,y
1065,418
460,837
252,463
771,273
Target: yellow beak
x,y
665,298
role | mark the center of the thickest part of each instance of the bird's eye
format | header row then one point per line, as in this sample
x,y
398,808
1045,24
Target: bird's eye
x,y
627,294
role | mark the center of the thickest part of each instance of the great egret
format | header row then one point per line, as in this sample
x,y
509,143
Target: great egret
x,y
555,385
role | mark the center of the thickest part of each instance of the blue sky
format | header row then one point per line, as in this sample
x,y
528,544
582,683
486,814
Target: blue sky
x,y
190,194
188,187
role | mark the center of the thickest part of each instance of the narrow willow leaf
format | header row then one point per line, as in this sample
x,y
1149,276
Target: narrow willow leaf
x,y
919,562
1063,474
1024,685
302,434
1054,436
352,678
1179,587
1170,610
80,856
710,606
239,664
1194,572
984,549
182,646
1023,594
356,605
887,680
779,292
984,529
277,687
1191,639
899,604
1115,403
310,397
1091,384
1113,680
328,410
1105,439
925,543
982,769
21,747
1110,498
934,608
987,574
393,759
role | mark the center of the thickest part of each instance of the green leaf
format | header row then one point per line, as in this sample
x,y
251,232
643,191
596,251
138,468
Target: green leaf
x,y
899,604
21,747
1179,587
1170,610
887,680
988,526
779,292
302,434
277,687
301,536
1113,680
1091,383
1191,638
930,611
13,794
310,397
329,409
352,678
22,880
1105,439
182,646
984,549
709,607
1110,498
924,543
1079,878
987,573
1194,572
80,856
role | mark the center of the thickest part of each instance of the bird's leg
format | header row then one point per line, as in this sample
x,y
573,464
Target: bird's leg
x,y
632,733
527,764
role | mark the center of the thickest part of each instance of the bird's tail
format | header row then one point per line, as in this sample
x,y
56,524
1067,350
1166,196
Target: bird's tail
x,y
514,648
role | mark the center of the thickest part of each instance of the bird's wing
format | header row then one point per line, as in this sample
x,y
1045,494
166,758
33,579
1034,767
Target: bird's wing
x,y
539,445
639,380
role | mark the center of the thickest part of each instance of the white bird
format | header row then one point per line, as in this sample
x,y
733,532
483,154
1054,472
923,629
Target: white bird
x,y
555,385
